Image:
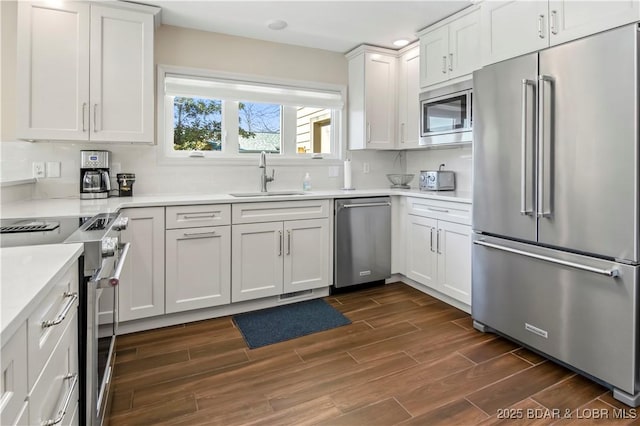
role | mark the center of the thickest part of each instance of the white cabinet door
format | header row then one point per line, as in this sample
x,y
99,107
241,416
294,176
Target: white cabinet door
x,y
380,98
306,260
372,99
13,378
53,71
464,45
141,288
198,265
434,53
421,252
408,92
513,28
570,20
121,75
454,260
256,260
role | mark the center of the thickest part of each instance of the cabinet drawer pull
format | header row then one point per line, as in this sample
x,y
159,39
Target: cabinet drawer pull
x,y
67,400
434,209
63,313
199,234
444,64
201,216
279,243
554,22
288,241
450,61
438,242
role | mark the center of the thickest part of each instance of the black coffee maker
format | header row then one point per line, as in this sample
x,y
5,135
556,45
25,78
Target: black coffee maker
x,y
125,182
94,174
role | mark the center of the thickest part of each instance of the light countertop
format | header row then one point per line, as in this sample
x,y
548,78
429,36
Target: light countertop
x,y
76,207
26,275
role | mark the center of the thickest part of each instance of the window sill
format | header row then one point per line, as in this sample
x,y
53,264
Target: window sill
x,y
249,161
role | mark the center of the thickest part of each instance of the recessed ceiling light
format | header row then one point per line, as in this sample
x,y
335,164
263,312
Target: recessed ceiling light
x,y
277,24
401,43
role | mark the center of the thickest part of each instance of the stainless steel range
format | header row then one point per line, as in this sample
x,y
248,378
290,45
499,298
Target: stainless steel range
x,y
100,268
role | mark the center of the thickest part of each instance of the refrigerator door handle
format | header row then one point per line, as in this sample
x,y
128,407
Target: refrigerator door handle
x,y
523,153
607,272
541,211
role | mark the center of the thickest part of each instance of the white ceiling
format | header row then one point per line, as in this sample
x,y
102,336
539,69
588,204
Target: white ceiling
x,y
331,25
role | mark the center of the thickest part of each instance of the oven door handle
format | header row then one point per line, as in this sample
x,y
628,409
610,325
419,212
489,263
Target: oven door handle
x,y
114,280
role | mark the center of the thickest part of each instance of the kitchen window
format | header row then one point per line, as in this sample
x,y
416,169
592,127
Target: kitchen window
x,y
215,116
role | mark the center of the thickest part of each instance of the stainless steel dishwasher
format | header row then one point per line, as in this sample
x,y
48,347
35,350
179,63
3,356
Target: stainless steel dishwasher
x,y
362,240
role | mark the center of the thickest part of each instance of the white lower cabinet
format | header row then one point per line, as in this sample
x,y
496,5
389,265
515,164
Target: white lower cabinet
x,y
306,254
141,288
454,260
422,259
13,377
256,269
54,396
438,247
198,268
39,362
279,257
271,257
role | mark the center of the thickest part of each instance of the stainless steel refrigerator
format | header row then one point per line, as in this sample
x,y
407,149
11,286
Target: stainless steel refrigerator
x,y
556,207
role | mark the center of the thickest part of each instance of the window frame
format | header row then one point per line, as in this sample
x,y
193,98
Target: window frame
x,y
230,147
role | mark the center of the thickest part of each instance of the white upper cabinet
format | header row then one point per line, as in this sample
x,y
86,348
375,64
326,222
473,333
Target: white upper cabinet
x,y
372,99
408,93
53,71
85,72
514,28
569,20
451,49
121,75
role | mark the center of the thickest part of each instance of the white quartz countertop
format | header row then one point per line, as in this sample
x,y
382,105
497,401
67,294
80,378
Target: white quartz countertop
x,y
76,207
26,274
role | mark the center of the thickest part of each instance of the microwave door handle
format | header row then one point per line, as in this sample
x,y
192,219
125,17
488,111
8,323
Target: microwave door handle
x,y
523,150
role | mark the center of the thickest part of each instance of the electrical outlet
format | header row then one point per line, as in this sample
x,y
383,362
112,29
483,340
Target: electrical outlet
x,y
38,169
334,171
365,168
53,169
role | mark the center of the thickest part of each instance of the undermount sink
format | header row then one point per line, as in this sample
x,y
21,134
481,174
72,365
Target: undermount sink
x,y
267,194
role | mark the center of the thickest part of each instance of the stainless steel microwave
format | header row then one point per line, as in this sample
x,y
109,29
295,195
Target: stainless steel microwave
x,y
446,115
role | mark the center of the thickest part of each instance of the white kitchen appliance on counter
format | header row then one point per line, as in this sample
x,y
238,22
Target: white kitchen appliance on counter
x,y
556,249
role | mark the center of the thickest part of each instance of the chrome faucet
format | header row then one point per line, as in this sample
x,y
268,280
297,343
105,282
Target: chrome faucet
x,y
264,179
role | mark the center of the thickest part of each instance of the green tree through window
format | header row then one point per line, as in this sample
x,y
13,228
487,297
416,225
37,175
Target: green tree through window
x,y
198,124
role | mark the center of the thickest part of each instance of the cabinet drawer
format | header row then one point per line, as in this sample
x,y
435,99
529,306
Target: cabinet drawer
x,y
57,385
196,216
442,210
280,210
61,302
14,377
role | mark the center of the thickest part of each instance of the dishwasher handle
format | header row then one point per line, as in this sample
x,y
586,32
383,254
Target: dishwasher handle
x,y
351,206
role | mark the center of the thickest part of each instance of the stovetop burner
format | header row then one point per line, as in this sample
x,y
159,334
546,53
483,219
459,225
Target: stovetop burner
x,y
34,226
37,231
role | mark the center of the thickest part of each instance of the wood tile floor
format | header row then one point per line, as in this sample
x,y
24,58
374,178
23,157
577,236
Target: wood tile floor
x,y
407,358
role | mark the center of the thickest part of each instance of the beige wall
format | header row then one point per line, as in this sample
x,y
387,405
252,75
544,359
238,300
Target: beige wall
x,y
220,52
